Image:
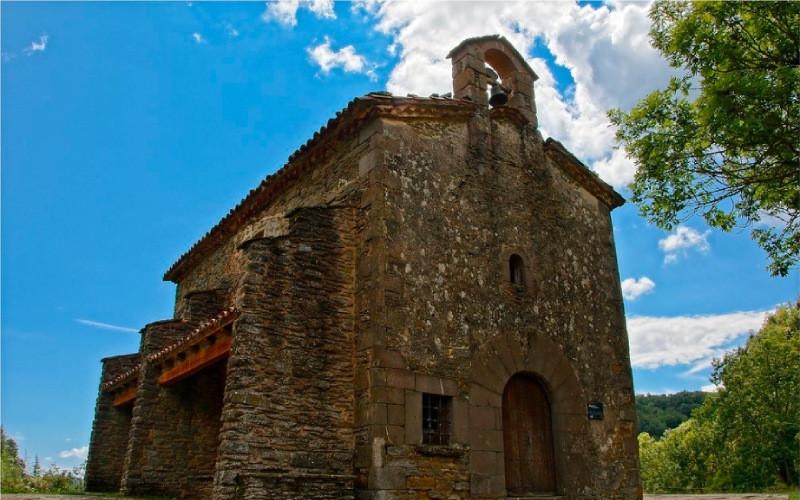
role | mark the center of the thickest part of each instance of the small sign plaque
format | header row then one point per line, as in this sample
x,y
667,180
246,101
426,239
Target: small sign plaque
x,y
595,411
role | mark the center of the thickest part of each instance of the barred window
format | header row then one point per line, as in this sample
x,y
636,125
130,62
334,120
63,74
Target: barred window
x,y
436,419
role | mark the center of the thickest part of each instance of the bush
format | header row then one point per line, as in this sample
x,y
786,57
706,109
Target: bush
x,y
53,480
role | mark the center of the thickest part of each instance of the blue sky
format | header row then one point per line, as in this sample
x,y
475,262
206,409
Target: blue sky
x,y
129,129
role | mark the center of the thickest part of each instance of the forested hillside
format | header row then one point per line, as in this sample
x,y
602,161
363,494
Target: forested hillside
x,y
655,413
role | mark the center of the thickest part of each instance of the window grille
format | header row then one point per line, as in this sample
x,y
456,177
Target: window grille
x,y
436,419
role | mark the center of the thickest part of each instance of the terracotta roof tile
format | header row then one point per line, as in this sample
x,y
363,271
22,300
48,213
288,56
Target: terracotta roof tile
x,y
202,329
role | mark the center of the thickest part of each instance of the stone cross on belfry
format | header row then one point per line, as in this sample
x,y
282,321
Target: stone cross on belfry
x,y
471,76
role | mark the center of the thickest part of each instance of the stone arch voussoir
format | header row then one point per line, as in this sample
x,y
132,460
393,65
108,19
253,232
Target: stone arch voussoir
x,y
503,357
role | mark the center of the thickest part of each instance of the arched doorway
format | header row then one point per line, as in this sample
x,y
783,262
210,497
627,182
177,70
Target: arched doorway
x,y
528,438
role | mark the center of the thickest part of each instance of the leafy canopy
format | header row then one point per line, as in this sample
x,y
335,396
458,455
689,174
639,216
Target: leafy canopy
x,y
14,479
723,141
757,414
746,436
656,413
13,468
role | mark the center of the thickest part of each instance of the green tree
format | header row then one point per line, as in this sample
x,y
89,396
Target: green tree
x,y
655,413
757,413
13,468
721,141
36,471
746,436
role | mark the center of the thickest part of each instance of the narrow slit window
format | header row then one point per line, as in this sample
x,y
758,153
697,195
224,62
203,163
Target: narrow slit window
x,y
436,411
516,269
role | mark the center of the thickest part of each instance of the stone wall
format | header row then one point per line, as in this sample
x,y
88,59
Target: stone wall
x,y
153,463
202,305
460,198
109,441
329,179
287,428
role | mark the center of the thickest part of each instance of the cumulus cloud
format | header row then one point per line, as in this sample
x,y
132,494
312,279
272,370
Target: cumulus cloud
x,y
105,326
285,11
682,240
79,453
605,50
198,38
677,340
632,288
232,32
345,58
617,169
40,46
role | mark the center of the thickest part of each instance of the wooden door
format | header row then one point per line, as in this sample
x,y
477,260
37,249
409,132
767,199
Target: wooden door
x,y
528,438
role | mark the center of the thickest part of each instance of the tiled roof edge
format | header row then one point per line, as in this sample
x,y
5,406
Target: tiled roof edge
x,y
224,317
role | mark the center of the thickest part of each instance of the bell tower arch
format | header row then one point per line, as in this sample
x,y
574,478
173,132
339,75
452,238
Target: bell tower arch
x,y
479,62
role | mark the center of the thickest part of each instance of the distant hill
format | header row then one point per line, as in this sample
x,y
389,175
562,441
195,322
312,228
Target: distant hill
x,y
655,413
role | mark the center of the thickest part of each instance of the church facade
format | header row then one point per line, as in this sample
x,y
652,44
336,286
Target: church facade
x,y
424,302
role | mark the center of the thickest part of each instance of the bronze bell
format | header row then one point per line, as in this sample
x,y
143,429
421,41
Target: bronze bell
x,y
497,97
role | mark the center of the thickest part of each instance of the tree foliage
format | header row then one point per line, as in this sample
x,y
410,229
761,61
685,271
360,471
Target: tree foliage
x,y
53,480
13,468
722,141
758,413
680,461
746,436
655,413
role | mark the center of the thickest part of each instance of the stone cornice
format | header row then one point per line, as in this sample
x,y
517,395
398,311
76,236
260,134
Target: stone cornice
x,y
581,174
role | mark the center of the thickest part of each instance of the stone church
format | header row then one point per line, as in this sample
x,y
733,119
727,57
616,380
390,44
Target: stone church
x,y
424,302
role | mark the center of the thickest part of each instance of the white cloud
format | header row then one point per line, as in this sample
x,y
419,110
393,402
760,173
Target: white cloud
x,y
105,326
773,220
232,32
285,11
710,388
41,46
198,38
604,49
632,288
677,340
345,58
683,239
80,453
616,169
704,364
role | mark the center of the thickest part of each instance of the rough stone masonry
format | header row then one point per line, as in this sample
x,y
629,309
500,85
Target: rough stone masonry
x,y
424,302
